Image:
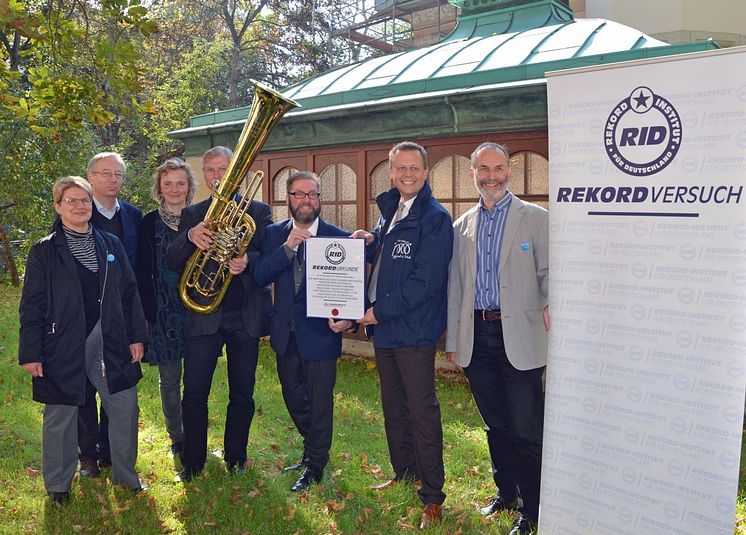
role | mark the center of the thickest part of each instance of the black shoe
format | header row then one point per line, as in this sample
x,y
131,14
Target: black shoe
x,y
498,503
104,462
89,468
177,449
59,498
144,487
186,474
297,466
523,526
305,481
235,467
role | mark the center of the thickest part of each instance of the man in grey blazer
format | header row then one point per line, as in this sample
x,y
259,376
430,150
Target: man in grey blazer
x,y
497,327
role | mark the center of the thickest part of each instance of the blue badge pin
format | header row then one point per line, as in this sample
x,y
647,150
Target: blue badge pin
x,y
524,245
110,257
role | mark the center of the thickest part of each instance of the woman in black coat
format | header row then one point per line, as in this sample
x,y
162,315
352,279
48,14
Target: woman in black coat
x,y
81,317
174,186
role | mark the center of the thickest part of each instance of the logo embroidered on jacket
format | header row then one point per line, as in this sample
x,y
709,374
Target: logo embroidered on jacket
x,y
401,249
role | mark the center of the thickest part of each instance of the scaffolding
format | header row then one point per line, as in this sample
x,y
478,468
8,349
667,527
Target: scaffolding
x,y
376,27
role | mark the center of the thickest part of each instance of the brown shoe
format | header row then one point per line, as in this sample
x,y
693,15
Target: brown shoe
x,y
430,515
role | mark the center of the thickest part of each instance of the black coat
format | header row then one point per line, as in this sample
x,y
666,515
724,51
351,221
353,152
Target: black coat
x,y
147,270
53,329
257,300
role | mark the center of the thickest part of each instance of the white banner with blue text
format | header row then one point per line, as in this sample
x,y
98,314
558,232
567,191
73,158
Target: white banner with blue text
x,y
647,358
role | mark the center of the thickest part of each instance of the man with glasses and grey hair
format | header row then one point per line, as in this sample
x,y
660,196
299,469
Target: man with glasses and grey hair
x,y
307,348
116,216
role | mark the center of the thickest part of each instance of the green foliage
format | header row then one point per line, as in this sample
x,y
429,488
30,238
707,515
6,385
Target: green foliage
x,y
81,77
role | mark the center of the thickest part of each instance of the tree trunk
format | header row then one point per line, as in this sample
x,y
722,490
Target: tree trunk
x,y
9,261
233,96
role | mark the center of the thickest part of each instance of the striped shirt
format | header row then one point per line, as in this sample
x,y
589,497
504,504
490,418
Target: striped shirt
x,y
83,247
490,227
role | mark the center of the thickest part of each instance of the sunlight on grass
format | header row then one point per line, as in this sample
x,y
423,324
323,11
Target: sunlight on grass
x,y
259,500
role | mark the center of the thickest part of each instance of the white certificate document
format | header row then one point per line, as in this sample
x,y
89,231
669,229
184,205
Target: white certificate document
x,y
335,278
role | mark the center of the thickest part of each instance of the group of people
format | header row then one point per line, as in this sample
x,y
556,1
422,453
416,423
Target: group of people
x,y
100,295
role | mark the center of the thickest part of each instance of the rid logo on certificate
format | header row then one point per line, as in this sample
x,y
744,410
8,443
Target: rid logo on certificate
x,y
335,278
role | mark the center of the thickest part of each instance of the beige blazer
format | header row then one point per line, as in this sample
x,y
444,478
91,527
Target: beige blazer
x,y
524,284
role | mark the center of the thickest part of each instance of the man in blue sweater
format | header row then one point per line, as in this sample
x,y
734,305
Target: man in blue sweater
x,y
114,215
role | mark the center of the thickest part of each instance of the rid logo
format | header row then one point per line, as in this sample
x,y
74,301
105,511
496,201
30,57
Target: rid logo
x,y
643,133
335,253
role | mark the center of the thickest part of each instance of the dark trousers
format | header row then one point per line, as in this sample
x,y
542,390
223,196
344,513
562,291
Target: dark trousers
x,y
308,391
93,436
412,417
511,403
200,358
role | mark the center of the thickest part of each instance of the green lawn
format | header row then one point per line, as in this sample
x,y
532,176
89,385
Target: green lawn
x,y
258,501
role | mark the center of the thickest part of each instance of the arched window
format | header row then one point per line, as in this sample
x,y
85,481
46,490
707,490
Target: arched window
x,y
339,195
279,196
452,185
530,177
379,182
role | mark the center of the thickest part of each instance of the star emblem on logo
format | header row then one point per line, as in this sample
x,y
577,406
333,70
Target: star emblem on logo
x,y
641,99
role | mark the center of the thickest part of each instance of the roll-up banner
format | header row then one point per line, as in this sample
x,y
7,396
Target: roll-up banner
x,y
647,358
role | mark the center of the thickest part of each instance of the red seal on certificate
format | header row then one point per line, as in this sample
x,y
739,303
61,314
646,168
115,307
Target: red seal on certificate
x,y
335,312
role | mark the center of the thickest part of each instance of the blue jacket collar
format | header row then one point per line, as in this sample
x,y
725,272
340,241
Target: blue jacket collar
x,y
389,200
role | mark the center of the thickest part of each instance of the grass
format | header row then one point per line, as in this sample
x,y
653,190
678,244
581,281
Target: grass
x,y
258,501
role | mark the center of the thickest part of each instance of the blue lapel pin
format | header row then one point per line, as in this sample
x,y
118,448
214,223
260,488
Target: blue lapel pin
x,y
525,245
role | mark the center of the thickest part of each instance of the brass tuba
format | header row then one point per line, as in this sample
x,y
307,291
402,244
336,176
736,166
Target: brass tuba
x,y
206,272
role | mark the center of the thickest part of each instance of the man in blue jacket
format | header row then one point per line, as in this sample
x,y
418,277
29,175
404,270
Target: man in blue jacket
x,y
307,348
411,247
114,215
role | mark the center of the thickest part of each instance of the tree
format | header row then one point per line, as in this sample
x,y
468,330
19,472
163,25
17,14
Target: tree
x,y
67,72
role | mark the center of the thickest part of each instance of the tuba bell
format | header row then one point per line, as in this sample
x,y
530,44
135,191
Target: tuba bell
x,y
206,276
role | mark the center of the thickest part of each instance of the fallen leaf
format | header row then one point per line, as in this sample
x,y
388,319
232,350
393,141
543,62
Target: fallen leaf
x,y
32,472
291,514
253,493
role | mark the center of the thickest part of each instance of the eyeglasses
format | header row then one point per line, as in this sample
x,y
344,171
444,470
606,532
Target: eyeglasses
x,y
213,170
77,202
299,195
108,174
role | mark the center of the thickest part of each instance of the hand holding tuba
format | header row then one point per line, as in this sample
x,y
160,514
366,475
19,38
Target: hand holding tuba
x,y
206,276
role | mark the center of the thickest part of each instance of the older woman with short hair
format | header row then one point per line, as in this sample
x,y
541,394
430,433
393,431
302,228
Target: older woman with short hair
x,y
81,317
174,185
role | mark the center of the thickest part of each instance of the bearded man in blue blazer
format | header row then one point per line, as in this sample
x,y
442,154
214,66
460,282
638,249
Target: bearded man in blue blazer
x,y
307,348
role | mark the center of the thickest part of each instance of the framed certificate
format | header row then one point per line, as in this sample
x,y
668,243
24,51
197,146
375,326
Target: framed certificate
x,y
335,278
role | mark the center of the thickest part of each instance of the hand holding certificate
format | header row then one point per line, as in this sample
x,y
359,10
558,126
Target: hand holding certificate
x,y
335,278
